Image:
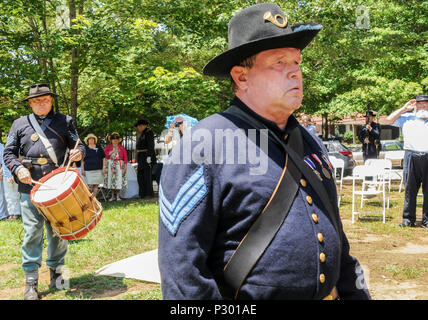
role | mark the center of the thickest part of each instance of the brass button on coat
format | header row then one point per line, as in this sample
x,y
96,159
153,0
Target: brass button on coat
x,y
315,217
309,199
322,257
322,278
303,182
320,237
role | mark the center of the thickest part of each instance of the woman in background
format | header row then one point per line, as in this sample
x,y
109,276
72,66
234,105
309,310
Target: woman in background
x,y
117,160
94,164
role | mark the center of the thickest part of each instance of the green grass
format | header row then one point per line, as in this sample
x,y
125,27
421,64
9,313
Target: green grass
x,y
126,228
130,227
400,272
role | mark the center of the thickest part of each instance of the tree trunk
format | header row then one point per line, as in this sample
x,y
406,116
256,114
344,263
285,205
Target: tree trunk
x,y
325,126
74,69
51,73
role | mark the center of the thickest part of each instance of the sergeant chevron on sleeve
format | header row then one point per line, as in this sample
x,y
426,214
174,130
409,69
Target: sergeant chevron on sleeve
x,y
248,205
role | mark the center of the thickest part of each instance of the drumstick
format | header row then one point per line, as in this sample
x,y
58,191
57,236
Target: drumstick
x,y
69,160
43,184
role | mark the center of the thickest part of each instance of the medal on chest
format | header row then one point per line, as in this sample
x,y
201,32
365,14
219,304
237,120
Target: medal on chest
x,y
325,172
311,165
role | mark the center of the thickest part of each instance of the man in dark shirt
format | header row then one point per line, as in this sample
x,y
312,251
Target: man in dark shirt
x,y
146,158
369,136
30,154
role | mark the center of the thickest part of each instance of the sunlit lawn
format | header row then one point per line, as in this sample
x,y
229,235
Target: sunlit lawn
x,y
130,227
126,228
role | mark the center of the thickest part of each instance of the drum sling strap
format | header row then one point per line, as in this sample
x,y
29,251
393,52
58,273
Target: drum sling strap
x,y
43,138
264,229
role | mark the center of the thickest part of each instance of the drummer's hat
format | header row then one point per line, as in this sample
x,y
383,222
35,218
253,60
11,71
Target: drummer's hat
x,y
258,28
115,135
38,90
91,135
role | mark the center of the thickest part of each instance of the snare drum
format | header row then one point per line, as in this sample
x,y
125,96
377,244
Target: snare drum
x,y
64,199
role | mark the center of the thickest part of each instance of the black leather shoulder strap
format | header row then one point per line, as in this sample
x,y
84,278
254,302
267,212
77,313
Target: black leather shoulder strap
x,y
273,215
297,158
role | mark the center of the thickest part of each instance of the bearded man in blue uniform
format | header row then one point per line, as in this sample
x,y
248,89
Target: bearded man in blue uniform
x,y
234,174
36,145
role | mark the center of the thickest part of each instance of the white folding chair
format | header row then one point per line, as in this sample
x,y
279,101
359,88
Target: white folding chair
x,y
370,188
338,164
385,166
387,157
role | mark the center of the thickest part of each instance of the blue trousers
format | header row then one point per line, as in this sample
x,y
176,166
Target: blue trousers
x,y
415,170
3,205
32,248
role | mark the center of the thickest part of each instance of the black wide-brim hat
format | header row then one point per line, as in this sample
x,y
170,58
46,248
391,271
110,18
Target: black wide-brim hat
x,y
258,28
141,122
38,90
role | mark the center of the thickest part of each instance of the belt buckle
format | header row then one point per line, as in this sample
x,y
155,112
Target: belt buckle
x,y
333,295
42,161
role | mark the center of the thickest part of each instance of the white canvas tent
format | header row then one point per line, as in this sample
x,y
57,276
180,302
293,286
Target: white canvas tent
x,y
141,267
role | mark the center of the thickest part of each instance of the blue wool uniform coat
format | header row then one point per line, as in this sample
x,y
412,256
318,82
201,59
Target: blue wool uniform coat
x,y
207,206
19,144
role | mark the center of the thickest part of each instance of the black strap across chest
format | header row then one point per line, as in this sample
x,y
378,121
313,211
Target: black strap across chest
x,y
270,220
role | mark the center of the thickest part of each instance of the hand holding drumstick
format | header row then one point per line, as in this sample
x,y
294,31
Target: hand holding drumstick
x,y
75,154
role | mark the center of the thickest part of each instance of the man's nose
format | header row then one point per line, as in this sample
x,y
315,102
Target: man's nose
x,y
295,73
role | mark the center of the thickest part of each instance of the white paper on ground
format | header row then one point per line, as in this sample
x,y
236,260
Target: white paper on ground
x,y
141,267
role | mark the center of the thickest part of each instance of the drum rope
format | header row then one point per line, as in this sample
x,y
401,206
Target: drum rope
x,y
81,204
67,213
43,213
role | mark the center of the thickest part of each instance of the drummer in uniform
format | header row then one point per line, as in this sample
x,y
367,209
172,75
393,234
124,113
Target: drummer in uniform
x,y
36,145
208,205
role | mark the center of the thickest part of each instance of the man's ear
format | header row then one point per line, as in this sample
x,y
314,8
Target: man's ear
x,y
239,75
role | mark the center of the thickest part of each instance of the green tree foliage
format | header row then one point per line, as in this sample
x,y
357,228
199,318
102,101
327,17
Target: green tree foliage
x,y
143,59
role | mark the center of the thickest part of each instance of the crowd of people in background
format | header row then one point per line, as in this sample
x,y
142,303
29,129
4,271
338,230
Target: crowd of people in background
x,y
108,167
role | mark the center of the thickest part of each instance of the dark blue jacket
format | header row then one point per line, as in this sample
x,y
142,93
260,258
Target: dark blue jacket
x,y
94,158
371,149
207,206
19,144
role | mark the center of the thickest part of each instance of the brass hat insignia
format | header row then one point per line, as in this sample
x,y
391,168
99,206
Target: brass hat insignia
x,y
274,19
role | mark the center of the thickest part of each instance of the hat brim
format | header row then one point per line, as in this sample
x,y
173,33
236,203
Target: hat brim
x,y
89,137
221,65
40,95
120,139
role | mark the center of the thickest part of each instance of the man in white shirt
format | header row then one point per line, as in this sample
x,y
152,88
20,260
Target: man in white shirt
x,y
412,118
306,123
